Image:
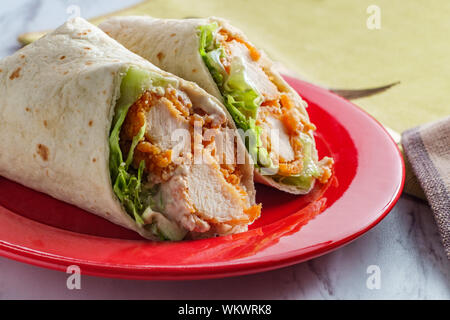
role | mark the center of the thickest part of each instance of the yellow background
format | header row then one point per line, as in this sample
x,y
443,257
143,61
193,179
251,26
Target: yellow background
x,y
328,42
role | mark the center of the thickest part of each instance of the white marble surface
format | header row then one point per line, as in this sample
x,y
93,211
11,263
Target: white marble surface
x,y
405,245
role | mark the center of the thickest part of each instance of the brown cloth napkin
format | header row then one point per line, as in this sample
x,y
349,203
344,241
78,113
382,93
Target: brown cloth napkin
x,y
427,149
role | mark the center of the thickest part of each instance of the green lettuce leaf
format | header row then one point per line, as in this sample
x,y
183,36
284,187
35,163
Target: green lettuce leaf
x,y
311,170
241,99
245,97
211,54
127,184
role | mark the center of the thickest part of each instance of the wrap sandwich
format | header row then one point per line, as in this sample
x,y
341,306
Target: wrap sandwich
x,y
92,124
219,58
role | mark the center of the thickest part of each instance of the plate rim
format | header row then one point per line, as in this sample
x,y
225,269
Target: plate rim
x,y
204,271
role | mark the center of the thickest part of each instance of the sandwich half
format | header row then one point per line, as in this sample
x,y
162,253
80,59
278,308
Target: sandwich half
x,y
92,124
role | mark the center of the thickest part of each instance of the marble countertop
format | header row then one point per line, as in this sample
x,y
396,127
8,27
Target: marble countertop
x,y
405,247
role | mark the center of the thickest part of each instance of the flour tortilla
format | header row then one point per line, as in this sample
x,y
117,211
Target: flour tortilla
x,y
58,99
173,45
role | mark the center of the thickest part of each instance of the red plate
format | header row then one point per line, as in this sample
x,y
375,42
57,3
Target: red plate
x,y
368,180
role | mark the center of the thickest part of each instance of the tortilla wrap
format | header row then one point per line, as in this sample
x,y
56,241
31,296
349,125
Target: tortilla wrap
x,y
173,45
59,96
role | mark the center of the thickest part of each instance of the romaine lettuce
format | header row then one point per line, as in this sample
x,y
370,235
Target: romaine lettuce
x,y
310,171
245,97
211,53
240,97
127,184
